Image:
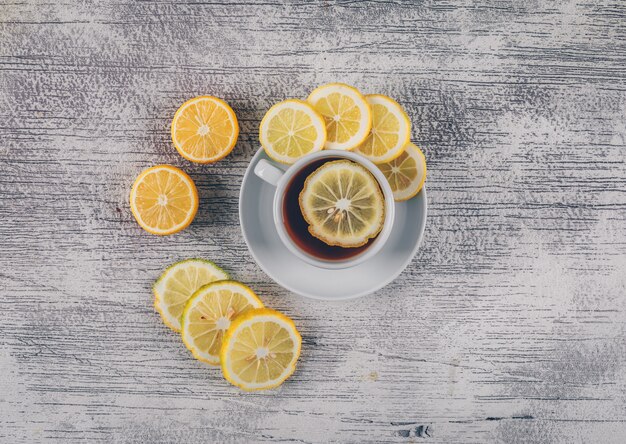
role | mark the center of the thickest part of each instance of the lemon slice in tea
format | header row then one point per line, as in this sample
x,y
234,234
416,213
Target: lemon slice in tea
x,y
343,204
208,315
406,174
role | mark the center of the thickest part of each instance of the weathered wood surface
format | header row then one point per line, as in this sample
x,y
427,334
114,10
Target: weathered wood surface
x,y
509,326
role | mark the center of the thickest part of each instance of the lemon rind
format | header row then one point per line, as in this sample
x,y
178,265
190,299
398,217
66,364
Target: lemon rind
x,y
321,236
194,299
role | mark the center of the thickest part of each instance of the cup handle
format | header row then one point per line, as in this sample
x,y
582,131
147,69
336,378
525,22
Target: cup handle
x,y
268,171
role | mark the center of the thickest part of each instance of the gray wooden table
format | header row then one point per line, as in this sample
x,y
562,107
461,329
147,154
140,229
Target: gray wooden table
x,y
509,326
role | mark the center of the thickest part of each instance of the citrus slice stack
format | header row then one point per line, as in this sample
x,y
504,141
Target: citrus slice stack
x,y
290,130
224,322
164,200
407,173
391,130
346,112
260,349
178,283
204,129
343,204
209,313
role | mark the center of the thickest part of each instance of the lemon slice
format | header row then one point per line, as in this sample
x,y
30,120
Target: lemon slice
x,y
343,204
346,112
164,200
260,349
208,315
391,130
204,129
407,173
290,130
176,285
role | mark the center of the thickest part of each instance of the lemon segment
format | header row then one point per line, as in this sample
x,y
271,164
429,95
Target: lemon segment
x,y
163,200
209,313
407,173
343,204
178,283
346,112
204,129
391,130
260,349
290,130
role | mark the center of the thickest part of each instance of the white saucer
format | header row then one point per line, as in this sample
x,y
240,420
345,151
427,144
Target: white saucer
x,y
286,269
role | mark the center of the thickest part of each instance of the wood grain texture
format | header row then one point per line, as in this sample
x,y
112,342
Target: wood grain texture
x,y
509,326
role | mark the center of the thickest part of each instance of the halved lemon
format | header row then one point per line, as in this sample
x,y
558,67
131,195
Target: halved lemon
x,y
407,173
346,112
204,129
178,283
290,130
391,130
209,313
343,204
164,200
260,349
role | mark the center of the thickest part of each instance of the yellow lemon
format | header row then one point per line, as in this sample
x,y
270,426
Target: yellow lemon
x,y
407,173
204,129
176,285
391,130
343,204
290,130
260,349
164,200
346,112
209,313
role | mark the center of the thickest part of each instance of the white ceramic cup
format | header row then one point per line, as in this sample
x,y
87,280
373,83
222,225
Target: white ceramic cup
x,y
279,177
